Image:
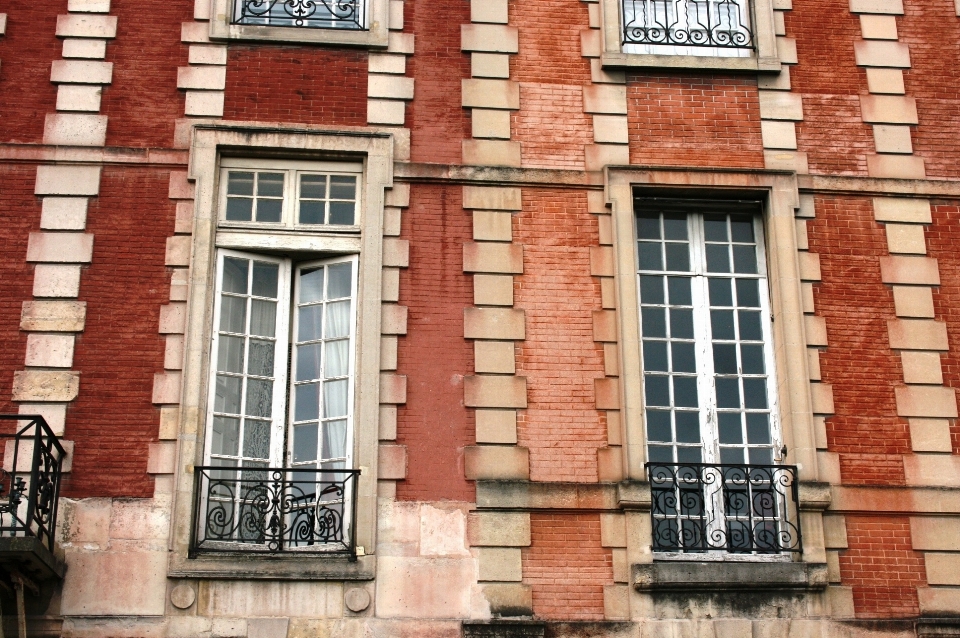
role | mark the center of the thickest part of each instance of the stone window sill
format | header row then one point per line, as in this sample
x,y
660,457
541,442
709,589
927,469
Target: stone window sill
x,y
238,567
733,64
728,576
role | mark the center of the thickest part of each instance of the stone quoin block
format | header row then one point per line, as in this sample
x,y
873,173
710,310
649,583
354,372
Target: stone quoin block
x,y
75,248
888,109
393,319
204,103
55,280
496,426
53,316
492,11
913,301
599,156
490,65
921,271
490,94
926,401
211,78
396,252
79,97
500,324
890,7
86,49
207,54
75,129
496,357
389,63
87,26
49,350
777,105
892,138
921,367
499,564
493,290
498,529
386,112
489,38
906,238
917,334
496,462
878,27
67,180
888,81
883,54
492,225
390,86
45,385
897,209
392,462
489,123
486,391
393,388
606,99
492,258
491,153
81,72
492,198
88,6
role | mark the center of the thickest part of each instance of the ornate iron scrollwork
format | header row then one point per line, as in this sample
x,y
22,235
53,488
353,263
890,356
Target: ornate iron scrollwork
x,y
694,23
314,14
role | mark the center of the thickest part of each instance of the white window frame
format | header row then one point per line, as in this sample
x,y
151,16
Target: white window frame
x,y
374,35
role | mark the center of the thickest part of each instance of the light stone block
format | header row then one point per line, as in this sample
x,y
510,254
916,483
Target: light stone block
x,y
88,6
392,462
494,324
393,389
921,367
54,280
443,531
388,423
942,568
899,209
607,393
930,435
492,198
492,11
926,401
917,334
214,54
815,329
906,238
833,567
496,357
86,26
496,426
489,38
607,99
487,391
821,398
390,284
424,588
490,94
173,352
499,564
388,353
896,166
162,457
115,583
932,470
396,87
803,239
55,414
487,123
166,388
84,49
492,258
81,72
878,27
75,129
807,206
775,81
67,180
888,109
490,65
391,221
194,32
53,316
398,196
209,78
605,229
787,50
509,598
498,529
590,45
76,248
169,423
813,364
935,533
266,599
3,23
613,530
600,75
611,360
778,105
610,129
173,318
885,81
778,134
492,225
616,602
204,103
605,328
880,53
779,24
78,97
922,271
491,153
608,293
786,160
496,463
396,252
889,7
49,350
493,290
178,251
393,319
913,301
936,601
401,43
892,138
835,531
45,385
599,156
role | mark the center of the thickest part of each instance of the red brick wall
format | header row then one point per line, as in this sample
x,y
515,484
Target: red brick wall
x,y
694,119
434,424
306,85
436,116
833,134
882,567
931,29
561,426
113,420
566,566
143,102
550,41
943,237
21,216
26,52
551,126
865,430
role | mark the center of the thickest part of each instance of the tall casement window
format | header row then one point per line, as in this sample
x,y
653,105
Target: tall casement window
x,y
719,28
712,428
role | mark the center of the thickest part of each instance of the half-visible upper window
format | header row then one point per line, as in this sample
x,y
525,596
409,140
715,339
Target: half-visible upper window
x,y
688,27
309,14
357,23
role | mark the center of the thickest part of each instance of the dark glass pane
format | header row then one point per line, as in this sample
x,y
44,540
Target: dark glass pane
x,y
745,259
750,326
308,361
227,395
343,187
718,258
651,289
688,426
657,390
313,186
721,322
761,456
310,323
305,442
650,257
755,393
339,276
660,453
758,428
270,185
655,356
308,402
233,314
235,275
678,257
715,228
731,455
311,285
675,226
239,209
256,439
684,356
654,322
679,291
226,436
265,279
725,358
230,354
648,227
720,294
690,455
748,293
312,212
240,183
259,397
741,228
731,430
658,426
685,392
728,393
751,359
681,323
268,210
342,213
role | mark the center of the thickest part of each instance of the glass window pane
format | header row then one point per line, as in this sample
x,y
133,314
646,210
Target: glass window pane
x,y
312,212
728,392
761,456
311,285
310,323
265,279
239,183
650,257
725,358
335,398
720,294
233,314
341,276
239,209
313,186
230,354
748,293
660,454
679,289
338,319
741,228
308,362
305,440
270,184
342,213
307,406
226,397
648,227
256,439
678,257
658,426
651,289
758,428
337,359
259,397
718,258
657,390
751,359
731,429
334,439
755,393
681,323
750,329
685,392
235,275
745,259
343,187
261,358
684,356
226,436
688,426
675,226
655,355
715,228
269,210
731,455
721,323
653,322
263,318
689,455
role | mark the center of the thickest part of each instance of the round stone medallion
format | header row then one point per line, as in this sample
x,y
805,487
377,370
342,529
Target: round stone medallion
x,y
357,599
183,596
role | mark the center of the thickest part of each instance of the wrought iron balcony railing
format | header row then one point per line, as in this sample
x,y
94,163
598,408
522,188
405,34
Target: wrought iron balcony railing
x,y
30,479
275,510
310,14
723,24
738,509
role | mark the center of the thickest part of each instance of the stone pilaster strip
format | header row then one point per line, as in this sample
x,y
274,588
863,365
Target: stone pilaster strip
x,y
204,80
388,88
